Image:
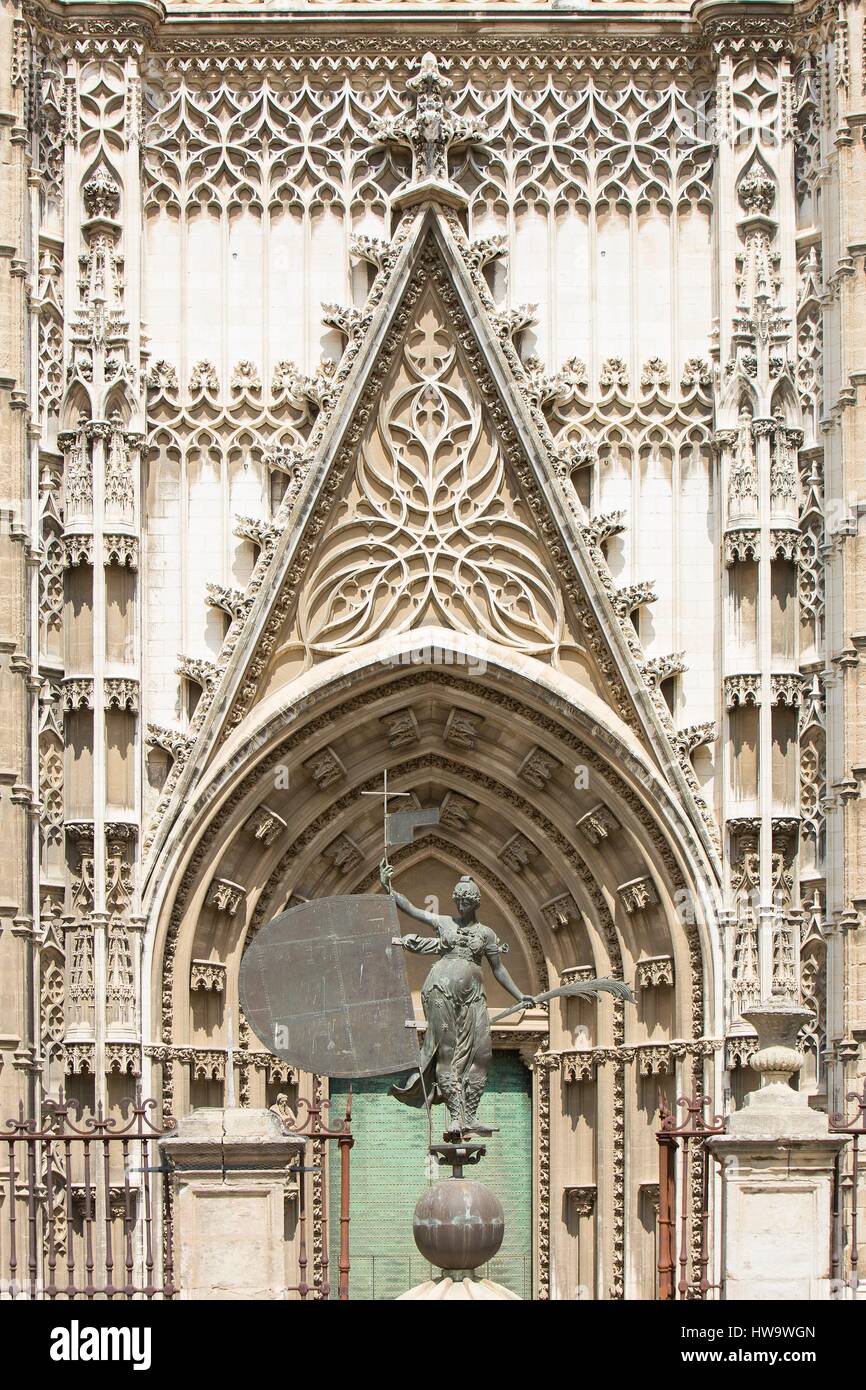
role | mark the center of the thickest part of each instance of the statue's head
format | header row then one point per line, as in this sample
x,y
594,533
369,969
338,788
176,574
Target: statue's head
x,y
466,893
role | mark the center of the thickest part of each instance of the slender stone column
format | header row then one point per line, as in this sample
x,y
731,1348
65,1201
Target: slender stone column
x,y
777,1174
230,1186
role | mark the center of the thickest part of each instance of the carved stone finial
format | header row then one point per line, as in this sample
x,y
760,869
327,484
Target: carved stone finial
x,y
430,132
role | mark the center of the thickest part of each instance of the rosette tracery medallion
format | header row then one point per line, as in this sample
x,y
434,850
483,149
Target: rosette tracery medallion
x,y
432,529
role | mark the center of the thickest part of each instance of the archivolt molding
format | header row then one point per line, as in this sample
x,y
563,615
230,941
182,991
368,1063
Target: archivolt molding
x,y
236,809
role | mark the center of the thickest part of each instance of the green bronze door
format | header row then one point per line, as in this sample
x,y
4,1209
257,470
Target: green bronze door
x,y
388,1177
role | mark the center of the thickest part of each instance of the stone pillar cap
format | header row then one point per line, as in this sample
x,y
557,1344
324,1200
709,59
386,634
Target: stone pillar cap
x,y
219,1136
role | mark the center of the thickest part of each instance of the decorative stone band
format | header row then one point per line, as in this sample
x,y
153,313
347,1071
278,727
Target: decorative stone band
x,y
209,1063
652,1059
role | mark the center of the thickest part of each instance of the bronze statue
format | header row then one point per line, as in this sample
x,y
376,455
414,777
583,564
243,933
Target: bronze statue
x,y
458,1048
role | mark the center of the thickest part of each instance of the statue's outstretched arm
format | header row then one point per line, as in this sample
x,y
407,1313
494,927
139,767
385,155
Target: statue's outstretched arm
x,y
502,977
428,918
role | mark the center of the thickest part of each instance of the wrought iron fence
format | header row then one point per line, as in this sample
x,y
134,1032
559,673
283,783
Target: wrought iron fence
x,y
84,1208
686,1198
844,1252
314,1276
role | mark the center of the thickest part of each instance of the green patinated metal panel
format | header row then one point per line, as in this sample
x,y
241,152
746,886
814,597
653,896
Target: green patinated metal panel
x,y
389,1175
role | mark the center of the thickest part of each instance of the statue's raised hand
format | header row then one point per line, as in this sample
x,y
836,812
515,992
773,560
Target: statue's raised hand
x,y
385,873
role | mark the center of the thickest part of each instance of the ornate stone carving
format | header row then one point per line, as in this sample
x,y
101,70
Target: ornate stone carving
x,y
400,728
742,690
598,824
741,545
431,131
344,854
456,811
462,729
325,768
638,894
120,550
232,601
207,975
787,690
225,896
77,692
537,768
654,971
518,853
120,693
264,824
559,912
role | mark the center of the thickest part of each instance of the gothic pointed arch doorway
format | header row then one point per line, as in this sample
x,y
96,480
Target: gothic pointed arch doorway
x,y
587,865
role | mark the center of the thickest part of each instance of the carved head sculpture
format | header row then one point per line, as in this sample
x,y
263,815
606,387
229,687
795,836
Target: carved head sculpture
x,y
466,894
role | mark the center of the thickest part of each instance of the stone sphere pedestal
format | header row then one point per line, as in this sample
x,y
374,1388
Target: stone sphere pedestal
x,y
458,1226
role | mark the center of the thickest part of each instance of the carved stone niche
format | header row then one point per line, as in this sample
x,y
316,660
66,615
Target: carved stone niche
x,y
518,853
537,768
225,896
456,811
325,768
207,975
265,825
581,1199
462,729
560,911
654,971
638,894
400,728
344,854
579,1066
598,824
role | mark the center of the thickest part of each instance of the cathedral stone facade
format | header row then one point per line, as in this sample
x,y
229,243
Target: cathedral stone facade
x,y
476,392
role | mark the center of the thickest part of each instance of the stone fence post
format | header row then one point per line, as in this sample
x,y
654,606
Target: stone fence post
x,y
777,1159
231,1202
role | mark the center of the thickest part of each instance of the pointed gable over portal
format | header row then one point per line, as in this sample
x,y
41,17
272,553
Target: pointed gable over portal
x,y
432,494
431,526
